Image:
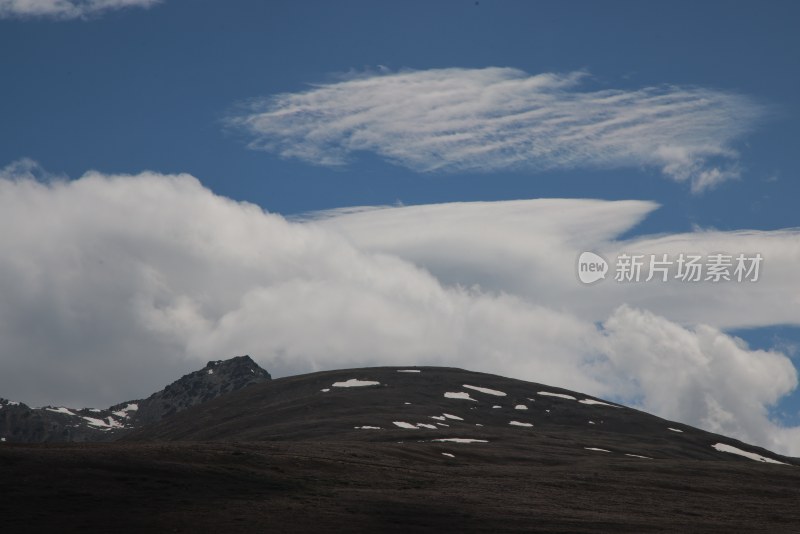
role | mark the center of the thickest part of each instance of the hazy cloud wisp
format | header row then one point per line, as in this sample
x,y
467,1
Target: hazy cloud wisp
x,y
491,119
66,9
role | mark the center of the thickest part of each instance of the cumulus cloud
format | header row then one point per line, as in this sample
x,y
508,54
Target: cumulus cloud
x,y
66,9
700,375
114,284
484,120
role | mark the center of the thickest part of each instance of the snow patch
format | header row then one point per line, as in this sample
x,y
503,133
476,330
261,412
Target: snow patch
x,y
442,424
60,410
520,407
211,371
368,427
325,390
496,406
519,423
355,383
595,449
462,440
596,402
438,417
409,371
451,416
443,454
638,456
675,430
486,390
458,395
426,425
108,424
551,394
403,424
722,447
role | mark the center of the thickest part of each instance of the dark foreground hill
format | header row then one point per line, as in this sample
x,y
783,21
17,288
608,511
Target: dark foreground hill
x,y
383,449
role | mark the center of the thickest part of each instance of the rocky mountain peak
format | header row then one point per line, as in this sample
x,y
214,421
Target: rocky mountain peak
x,y
20,423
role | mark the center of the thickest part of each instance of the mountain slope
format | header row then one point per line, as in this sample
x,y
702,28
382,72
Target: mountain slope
x,y
20,423
385,450
390,404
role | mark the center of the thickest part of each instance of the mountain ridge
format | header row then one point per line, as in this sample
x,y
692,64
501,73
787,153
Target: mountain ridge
x,y
21,423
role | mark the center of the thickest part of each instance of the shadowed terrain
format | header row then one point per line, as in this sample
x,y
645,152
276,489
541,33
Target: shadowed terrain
x,y
286,456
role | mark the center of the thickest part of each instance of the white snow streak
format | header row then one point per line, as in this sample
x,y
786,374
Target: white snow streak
x,y
488,391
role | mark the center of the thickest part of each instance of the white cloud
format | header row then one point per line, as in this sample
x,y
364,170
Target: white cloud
x,y
529,248
700,375
466,120
66,9
114,284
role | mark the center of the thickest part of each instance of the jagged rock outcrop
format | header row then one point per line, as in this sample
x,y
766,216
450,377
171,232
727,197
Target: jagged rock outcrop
x,y
20,423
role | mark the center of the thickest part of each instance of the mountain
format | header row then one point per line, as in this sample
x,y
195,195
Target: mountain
x,y
393,449
22,424
440,406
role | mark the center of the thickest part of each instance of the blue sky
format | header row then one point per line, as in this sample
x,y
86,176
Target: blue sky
x,y
154,88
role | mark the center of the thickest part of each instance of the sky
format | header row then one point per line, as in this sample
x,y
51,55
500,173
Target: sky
x,y
340,184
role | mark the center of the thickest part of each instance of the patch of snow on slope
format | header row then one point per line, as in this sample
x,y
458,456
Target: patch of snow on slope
x,y
551,394
462,440
409,371
675,430
325,390
519,423
520,407
403,424
368,427
60,410
355,383
103,424
596,402
722,447
496,406
124,412
486,390
448,455
438,417
595,449
638,456
426,425
458,395
211,371
451,416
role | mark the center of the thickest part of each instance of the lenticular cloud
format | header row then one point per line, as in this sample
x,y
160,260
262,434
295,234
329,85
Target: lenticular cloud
x,y
482,120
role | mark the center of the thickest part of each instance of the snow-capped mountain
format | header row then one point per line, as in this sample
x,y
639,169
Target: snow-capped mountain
x,y
20,423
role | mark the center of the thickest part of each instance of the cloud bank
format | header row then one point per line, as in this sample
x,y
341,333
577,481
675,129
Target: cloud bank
x,y
529,248
66,9
113,284
492,119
